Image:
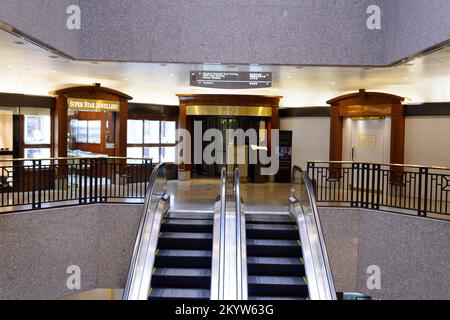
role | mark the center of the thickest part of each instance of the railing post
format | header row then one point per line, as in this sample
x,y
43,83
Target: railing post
x,y
378,188
104,172
353,203
359,191
423,185
36,184
311,168
81,200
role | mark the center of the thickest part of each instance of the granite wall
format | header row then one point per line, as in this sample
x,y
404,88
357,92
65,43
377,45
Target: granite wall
x,y
37,248
309,32
413,253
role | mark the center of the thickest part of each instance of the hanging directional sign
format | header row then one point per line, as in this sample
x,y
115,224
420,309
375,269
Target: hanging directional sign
x,y
231,80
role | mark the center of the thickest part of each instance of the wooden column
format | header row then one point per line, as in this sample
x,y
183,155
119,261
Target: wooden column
x,y
121,129
336,137
397,143
61,115
336,131
398,134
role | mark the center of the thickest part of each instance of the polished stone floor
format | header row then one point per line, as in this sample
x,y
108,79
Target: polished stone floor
x,y
200,194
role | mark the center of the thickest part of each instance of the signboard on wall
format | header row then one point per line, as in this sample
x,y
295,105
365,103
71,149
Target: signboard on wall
x,y
93,105
367,141
231,80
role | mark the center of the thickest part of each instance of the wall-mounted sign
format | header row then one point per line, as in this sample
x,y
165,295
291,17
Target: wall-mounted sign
x,y
236,111
367,141
231,80
93,105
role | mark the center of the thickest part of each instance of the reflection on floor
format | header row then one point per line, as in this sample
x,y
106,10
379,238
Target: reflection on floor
x,y
200,194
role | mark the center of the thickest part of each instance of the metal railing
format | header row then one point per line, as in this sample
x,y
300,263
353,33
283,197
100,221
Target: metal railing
x,y
241,240
30,183
303,209
218,250
156,205
229,263
417,189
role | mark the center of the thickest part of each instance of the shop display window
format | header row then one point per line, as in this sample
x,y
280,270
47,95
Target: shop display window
x,y
152,139
6,130
94,131
37,153
37,129
36,134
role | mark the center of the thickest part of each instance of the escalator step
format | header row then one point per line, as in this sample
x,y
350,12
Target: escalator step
x,y
182,225
178,293
277,286
181,278
183,259
271,266
272,231
188,272
185,240
273,248
276,219
190,216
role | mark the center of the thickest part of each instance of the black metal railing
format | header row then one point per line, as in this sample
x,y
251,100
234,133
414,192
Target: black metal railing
x,y
30,183
419,189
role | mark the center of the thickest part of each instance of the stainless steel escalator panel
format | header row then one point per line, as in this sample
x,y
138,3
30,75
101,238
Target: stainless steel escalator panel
x,y
303,209
138,284
155,207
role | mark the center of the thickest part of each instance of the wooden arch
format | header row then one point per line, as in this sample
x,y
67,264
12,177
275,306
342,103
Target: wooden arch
x,y
368,104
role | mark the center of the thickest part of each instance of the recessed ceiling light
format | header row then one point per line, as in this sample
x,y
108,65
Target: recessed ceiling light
x,y
10,66
288,77
53,71
406,78
125,79
172,74
333,83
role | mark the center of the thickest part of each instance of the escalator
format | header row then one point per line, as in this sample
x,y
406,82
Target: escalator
x,y
228,254
182,268
176,252
274,259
